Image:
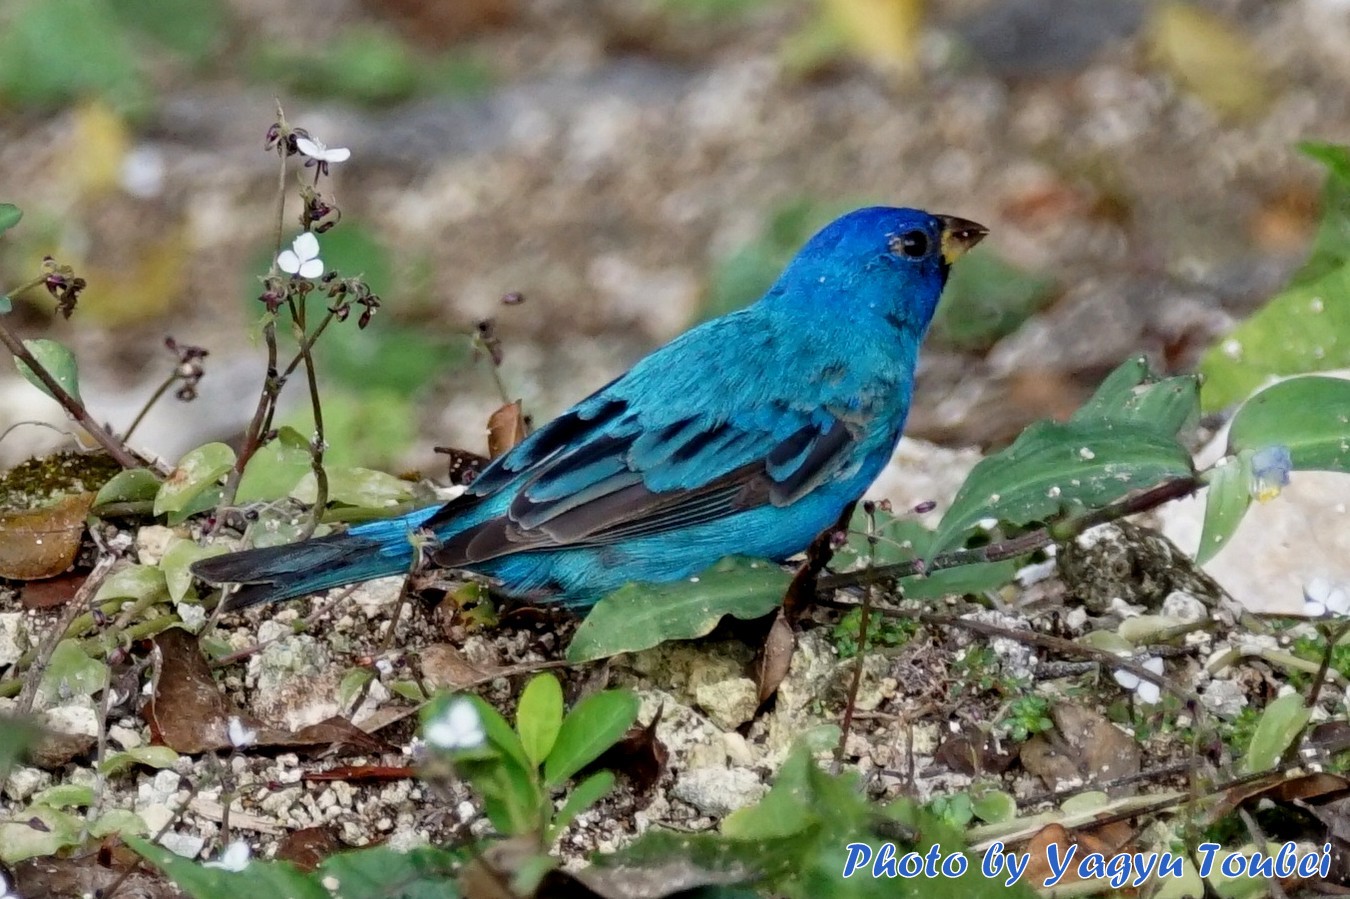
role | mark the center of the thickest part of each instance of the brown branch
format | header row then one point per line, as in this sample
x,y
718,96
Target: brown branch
x,y
1022,544
74,408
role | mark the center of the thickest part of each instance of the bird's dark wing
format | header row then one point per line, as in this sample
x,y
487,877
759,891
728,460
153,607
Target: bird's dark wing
x,y
595,476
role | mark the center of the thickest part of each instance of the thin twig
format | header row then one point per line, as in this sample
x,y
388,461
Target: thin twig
x,y
317,442
79,601
114,447
150,403
1022,544
863,620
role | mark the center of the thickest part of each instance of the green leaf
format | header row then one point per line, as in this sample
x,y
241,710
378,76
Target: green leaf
x,y
639,616
583,796
986,299
177,558
150,756
57,360
1280,725
65,795
1305,327
595,724
1310,415
260,878
993,806
539,716
36,831
135,485
196,472
275,470
16,735
1055,467
9,217
1133,394
137,583
379,872
1226,501
70,672
360,488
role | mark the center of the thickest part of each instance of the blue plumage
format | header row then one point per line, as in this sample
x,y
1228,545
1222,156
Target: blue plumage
x,y
748,435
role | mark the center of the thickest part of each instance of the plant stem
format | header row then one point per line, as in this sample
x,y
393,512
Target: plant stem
x,y
114,447
1021,544
150,403
317,442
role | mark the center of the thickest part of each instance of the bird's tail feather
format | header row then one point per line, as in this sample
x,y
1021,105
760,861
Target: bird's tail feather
x,y
276,573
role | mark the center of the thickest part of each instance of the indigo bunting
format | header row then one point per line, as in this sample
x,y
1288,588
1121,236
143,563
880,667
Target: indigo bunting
x,y
747,435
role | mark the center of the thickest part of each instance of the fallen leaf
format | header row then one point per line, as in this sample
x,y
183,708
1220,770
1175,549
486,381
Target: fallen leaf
x,y
87,874
506,428
41,543
775,656
51,592
1038,869
307,847
444,667
1084,747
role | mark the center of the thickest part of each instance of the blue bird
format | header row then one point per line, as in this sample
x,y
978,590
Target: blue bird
x,y
747,435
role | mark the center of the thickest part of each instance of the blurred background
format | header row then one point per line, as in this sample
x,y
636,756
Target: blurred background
x,y
634,166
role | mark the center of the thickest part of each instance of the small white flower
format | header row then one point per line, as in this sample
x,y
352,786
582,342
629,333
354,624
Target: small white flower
x,y
4,889
302,258
234,858
240,736
316,150
1146,691
457,727
1322,598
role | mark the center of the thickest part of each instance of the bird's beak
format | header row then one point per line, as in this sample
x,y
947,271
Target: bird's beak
x,y
959,236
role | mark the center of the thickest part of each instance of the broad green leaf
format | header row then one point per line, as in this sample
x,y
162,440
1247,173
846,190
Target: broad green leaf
x,y
1226,501
1055,467
993,806
1133,394
259,878
1304,328
149,756
196,472
1280,725
134,485
275,470
539,715
137,583
177,558
901,540
120,821
639,616
36,831
583,796
65,795
427,872
57,360
594,725
70,672
986,299
1309,415
9,217
361,488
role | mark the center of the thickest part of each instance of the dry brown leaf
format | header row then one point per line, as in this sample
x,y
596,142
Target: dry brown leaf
x,y
42,543
444,667
1083,747
775,657
506,428
307,847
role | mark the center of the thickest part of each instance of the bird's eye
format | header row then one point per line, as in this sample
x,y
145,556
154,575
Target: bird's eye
x,y
913,244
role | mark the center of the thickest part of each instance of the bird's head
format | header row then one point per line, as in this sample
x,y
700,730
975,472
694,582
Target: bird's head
x,y
879,261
